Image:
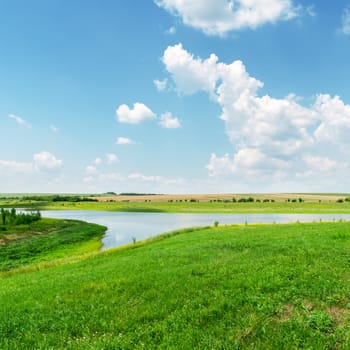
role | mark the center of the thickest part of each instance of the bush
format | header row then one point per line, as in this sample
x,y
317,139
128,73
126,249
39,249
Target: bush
x,y
11,217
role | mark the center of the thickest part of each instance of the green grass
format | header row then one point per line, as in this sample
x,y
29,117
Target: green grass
x,y
45,240
234,287
188,207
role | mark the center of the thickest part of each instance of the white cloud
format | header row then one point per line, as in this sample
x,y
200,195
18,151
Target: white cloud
x,y
137,176
139,113
345,28
189,74
98,161
19,120
90,169
45,161
10,166
111,158
168,121
160,84
124,141
171,30
270,136
218,17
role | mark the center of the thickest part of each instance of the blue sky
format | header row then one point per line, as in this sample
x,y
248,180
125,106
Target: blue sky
x,y
171,96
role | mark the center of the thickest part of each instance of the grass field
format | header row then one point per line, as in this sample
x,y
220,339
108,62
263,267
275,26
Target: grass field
x,y
235,287
46,240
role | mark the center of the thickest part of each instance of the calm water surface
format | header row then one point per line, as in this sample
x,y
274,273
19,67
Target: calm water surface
x,y
123,227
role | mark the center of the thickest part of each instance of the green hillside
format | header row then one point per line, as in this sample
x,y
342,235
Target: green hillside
x,y
234,287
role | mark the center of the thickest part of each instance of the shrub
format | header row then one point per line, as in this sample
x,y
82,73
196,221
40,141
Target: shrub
x,y
11,217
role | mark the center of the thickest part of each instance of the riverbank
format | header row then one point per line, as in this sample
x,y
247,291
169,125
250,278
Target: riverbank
x,y
47,240
236,287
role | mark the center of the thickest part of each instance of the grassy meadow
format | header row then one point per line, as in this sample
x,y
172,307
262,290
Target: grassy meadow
x,y
46,240
230,287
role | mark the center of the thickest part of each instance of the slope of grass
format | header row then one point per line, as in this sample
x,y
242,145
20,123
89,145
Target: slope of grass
x,y
45,240
235,287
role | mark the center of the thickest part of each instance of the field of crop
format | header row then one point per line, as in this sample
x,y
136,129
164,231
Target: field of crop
x,y
234,287
267,203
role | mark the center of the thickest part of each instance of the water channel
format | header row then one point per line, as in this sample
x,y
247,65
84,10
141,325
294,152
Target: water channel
x,y
123,228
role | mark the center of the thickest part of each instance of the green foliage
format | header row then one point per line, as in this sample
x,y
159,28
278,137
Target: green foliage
x,y
320,320
11,217
59,198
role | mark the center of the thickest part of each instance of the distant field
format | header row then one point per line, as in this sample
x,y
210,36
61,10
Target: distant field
x,y
278,197
204,203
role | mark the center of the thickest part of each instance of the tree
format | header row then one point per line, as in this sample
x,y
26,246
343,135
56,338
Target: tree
x,y
3,216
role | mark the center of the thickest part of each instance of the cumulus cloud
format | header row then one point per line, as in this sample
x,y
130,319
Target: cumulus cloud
x,y
124,141
111,158
270,136
43,161
90,169
171,30
98,161
20,120
160,84
168,121
345,28
218,17
11,166
189,74
46,161
136,115
95,168
138,176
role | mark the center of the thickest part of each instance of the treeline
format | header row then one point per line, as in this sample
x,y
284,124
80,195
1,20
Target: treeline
x,y
59,198
137,194
11,217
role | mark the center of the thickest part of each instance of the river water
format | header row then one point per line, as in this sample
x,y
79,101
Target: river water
x,y
123,228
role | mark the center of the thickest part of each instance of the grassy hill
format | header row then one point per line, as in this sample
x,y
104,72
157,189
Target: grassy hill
x,y
234,287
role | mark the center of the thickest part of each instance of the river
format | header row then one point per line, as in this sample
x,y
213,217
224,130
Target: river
x,y
124,227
